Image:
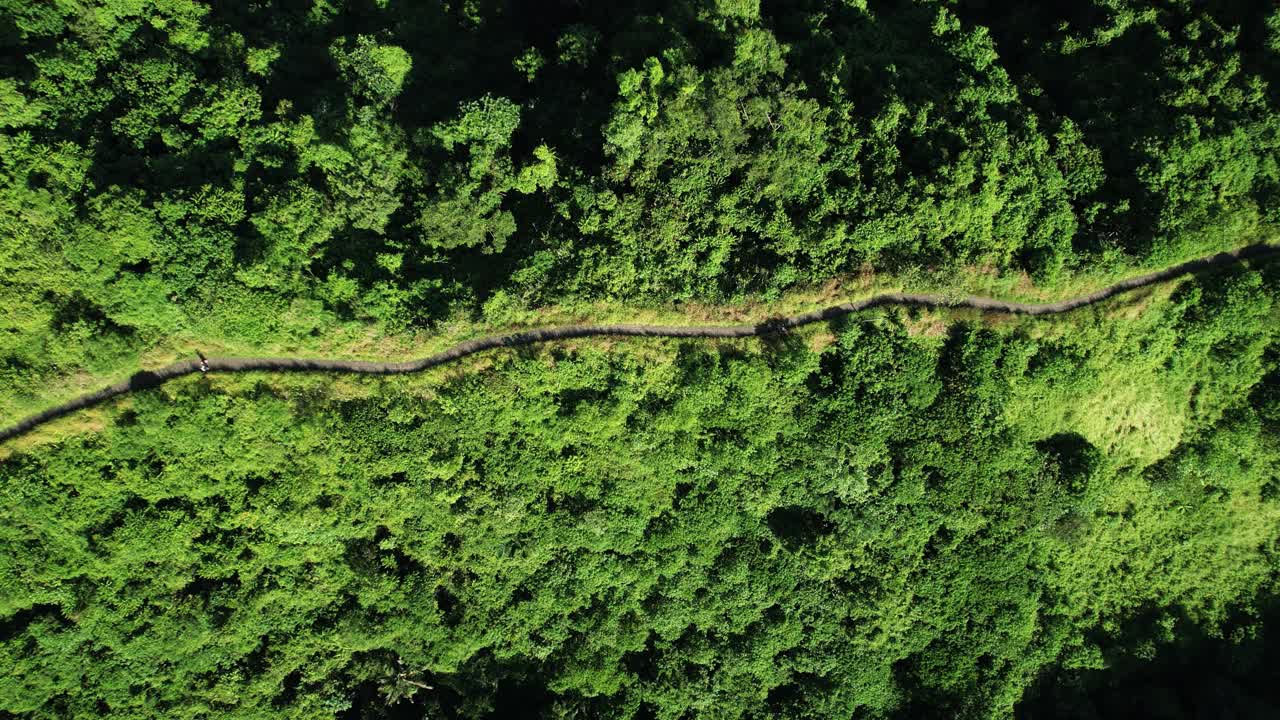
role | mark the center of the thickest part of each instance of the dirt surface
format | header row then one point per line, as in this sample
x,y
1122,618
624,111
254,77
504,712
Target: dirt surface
x,y
153,378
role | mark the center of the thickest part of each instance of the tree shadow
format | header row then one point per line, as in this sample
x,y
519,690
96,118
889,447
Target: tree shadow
x,y
144,380
1075,458
1117,90
1197,673
489,688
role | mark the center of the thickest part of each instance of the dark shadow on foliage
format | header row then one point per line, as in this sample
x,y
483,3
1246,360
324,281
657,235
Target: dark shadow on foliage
x,y
77,309
368,557
798,527
18,623
1197,674
1250,18
487,689
1075,457
795,697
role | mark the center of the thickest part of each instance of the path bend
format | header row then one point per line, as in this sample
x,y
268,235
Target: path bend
x,y
153,378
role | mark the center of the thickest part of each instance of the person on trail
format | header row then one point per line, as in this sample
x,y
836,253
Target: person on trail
x,y
204,362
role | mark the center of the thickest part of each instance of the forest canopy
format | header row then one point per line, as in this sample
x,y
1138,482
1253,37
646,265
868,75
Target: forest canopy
x,y
897,514
256,171
873,520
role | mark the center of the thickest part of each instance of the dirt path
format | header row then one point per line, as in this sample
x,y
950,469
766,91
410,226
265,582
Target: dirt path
x,y
152,378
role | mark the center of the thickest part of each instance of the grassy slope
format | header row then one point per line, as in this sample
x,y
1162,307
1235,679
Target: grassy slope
x,y
214,333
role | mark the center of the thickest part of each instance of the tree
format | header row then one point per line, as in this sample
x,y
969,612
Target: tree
x,y
466,208
375,72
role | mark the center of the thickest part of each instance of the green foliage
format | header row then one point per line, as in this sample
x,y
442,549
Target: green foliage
x,y
890,524
376,72
675,151
468,212
866,529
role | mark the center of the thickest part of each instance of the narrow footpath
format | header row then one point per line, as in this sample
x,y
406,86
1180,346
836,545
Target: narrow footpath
x,y
152,378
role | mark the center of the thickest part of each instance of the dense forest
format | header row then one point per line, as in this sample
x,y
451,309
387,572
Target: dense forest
x,y
898,514
256,173
889,517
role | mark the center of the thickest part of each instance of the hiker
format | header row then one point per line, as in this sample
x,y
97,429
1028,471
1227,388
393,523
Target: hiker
x,y
204,362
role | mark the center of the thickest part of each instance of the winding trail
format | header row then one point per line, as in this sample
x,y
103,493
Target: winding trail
x,y
152,378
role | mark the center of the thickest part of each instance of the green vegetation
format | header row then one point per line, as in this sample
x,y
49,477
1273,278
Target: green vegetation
x,y
891,522
900,514
261,175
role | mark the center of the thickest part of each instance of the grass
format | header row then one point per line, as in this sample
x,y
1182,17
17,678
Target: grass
x,y
1135,409
355,340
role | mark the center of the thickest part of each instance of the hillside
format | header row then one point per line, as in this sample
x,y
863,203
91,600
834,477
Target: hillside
x,y
898,512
